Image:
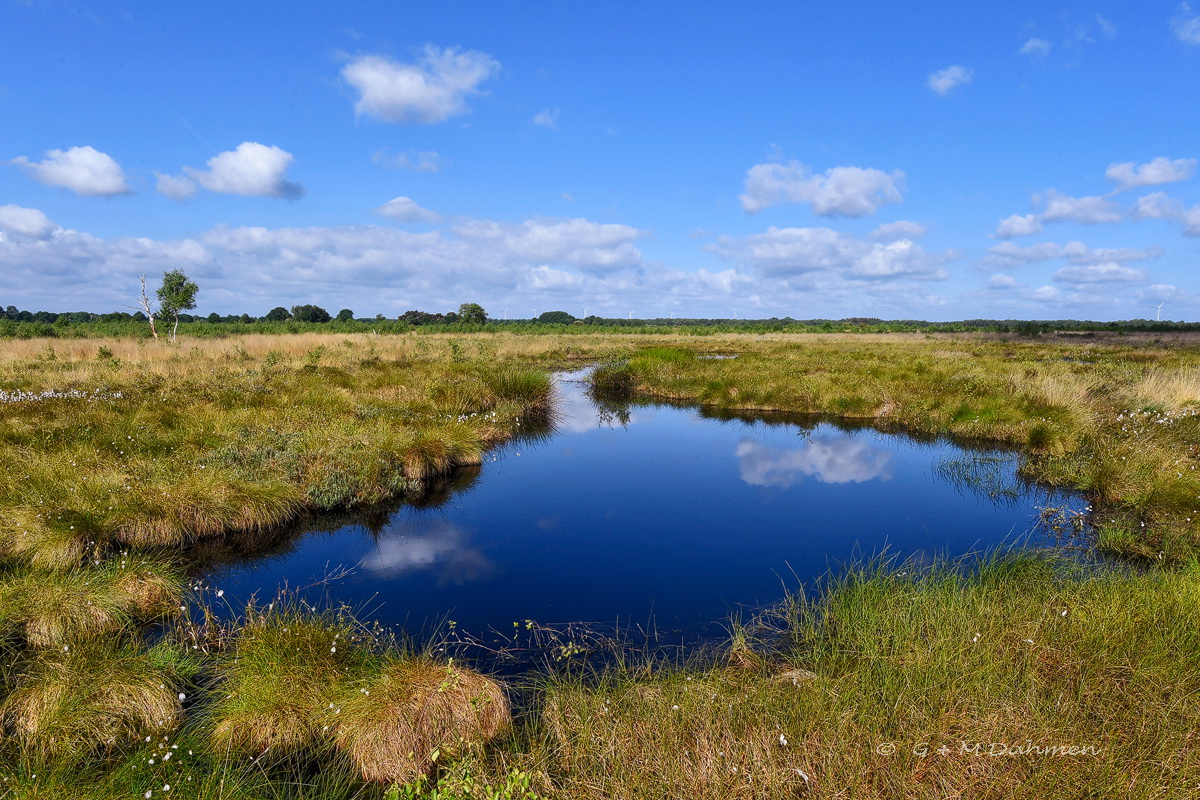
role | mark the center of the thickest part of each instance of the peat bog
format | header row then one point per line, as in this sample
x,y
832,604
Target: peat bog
x,y
133,471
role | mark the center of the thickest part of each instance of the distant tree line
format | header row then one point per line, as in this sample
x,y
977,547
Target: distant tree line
x,y
20,322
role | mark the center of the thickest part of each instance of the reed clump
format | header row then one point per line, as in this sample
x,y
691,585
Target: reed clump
x,y
280,682
298,684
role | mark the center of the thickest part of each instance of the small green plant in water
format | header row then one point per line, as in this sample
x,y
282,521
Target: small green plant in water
x,y
462,785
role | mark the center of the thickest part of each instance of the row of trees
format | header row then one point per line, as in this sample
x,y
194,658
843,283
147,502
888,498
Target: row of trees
x,y
177,295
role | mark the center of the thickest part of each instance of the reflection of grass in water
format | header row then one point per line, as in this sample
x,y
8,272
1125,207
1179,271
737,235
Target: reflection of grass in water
x,y
988,477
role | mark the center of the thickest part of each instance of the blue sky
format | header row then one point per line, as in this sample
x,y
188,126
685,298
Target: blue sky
x,y
1023,160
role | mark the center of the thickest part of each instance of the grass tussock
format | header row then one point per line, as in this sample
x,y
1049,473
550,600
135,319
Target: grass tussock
x,y
281,681
297,684
206,503
52,608
70,702
395,725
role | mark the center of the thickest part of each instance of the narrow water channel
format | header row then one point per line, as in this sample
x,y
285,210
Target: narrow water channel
x,y
653,516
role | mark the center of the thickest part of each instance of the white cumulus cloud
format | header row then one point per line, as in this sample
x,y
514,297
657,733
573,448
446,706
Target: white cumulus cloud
x,y
900,229
580,243
547,118
403,209
1191,221
1157,205
1017,225
28,222
549,279
788,252
946,79
841,191
1160,170
253,169
1035,47
1186,24
176,187
1099,273
83,170
1009,254
1088,210
429,91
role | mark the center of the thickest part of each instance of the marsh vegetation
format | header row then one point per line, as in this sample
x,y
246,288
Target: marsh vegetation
x,y
122,460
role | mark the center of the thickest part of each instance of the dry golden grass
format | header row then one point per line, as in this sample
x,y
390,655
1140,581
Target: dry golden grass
x,y
709,736
59,607
1173,389
93,695
395,725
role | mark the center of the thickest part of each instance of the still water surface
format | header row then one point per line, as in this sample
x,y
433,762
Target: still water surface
x,y
662,517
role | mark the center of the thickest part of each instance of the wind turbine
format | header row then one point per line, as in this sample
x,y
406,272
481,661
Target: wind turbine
x,y
1159,309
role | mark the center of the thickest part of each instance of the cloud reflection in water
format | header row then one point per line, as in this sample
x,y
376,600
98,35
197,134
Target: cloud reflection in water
x,y
842,459
439,547
575,412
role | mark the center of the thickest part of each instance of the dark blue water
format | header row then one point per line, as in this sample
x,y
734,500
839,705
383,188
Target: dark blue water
x,y
670,520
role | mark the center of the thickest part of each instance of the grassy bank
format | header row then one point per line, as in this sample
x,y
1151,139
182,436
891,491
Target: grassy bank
x,y
123,462
1025,679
